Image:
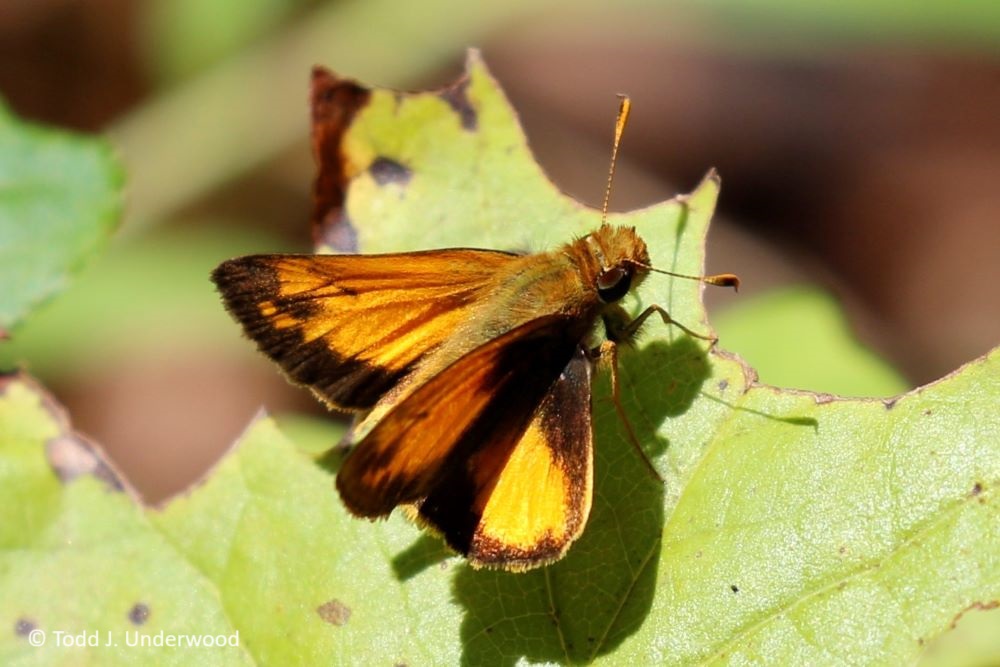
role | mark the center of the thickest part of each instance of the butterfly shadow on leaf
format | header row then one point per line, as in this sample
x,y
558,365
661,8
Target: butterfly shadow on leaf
x,y
586,604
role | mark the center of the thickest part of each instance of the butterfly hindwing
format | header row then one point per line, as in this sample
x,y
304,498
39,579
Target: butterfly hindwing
x,y
523,506
352,326
483,402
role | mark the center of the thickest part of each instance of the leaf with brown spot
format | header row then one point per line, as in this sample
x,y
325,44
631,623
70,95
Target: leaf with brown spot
x,y
139,614
851,532
334,612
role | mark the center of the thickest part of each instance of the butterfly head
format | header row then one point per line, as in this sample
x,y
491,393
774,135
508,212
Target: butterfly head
x,y
621,261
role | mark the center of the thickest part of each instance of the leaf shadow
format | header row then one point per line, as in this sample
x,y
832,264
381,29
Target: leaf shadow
x,y
661,380
586,604
426,551
811,422
333,458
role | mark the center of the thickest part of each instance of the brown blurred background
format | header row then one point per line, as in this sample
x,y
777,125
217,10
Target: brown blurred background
x,y
859,150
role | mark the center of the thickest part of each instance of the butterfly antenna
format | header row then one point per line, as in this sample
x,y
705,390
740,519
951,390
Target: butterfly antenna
x,y
624,107
719,279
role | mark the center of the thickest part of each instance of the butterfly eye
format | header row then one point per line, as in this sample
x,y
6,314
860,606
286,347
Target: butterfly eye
x,y
614,283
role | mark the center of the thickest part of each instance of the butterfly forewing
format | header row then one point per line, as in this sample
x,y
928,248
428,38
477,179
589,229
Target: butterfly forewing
x,y
352,326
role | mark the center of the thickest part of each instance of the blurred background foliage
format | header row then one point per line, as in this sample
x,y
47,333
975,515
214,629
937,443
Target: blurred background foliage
x,y
858,142
859,145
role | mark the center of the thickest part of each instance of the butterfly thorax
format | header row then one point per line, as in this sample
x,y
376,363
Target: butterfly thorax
x,y
580,280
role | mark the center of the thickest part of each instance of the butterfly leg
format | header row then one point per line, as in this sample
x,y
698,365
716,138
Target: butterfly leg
x,y
622,330
608,352
630,329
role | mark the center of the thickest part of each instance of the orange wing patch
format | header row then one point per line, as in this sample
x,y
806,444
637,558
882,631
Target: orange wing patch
x,y
541,501
352,326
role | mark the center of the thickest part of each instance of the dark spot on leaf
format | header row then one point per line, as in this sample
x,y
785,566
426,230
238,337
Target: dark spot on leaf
x,y
334,612
335,102
890,403
386,170
457,97
734,588
928,412
71,456
139,613
977,488
341,237
24,626
723,383
920,641
842,549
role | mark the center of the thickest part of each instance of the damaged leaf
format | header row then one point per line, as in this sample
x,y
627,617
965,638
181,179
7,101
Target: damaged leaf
x,y
791,528
80,560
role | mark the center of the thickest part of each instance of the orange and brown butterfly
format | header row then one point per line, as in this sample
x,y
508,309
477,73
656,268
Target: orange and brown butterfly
x,y
470,369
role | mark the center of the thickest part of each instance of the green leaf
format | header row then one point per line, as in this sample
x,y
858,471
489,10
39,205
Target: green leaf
x,y
793,528
60,198
798,337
